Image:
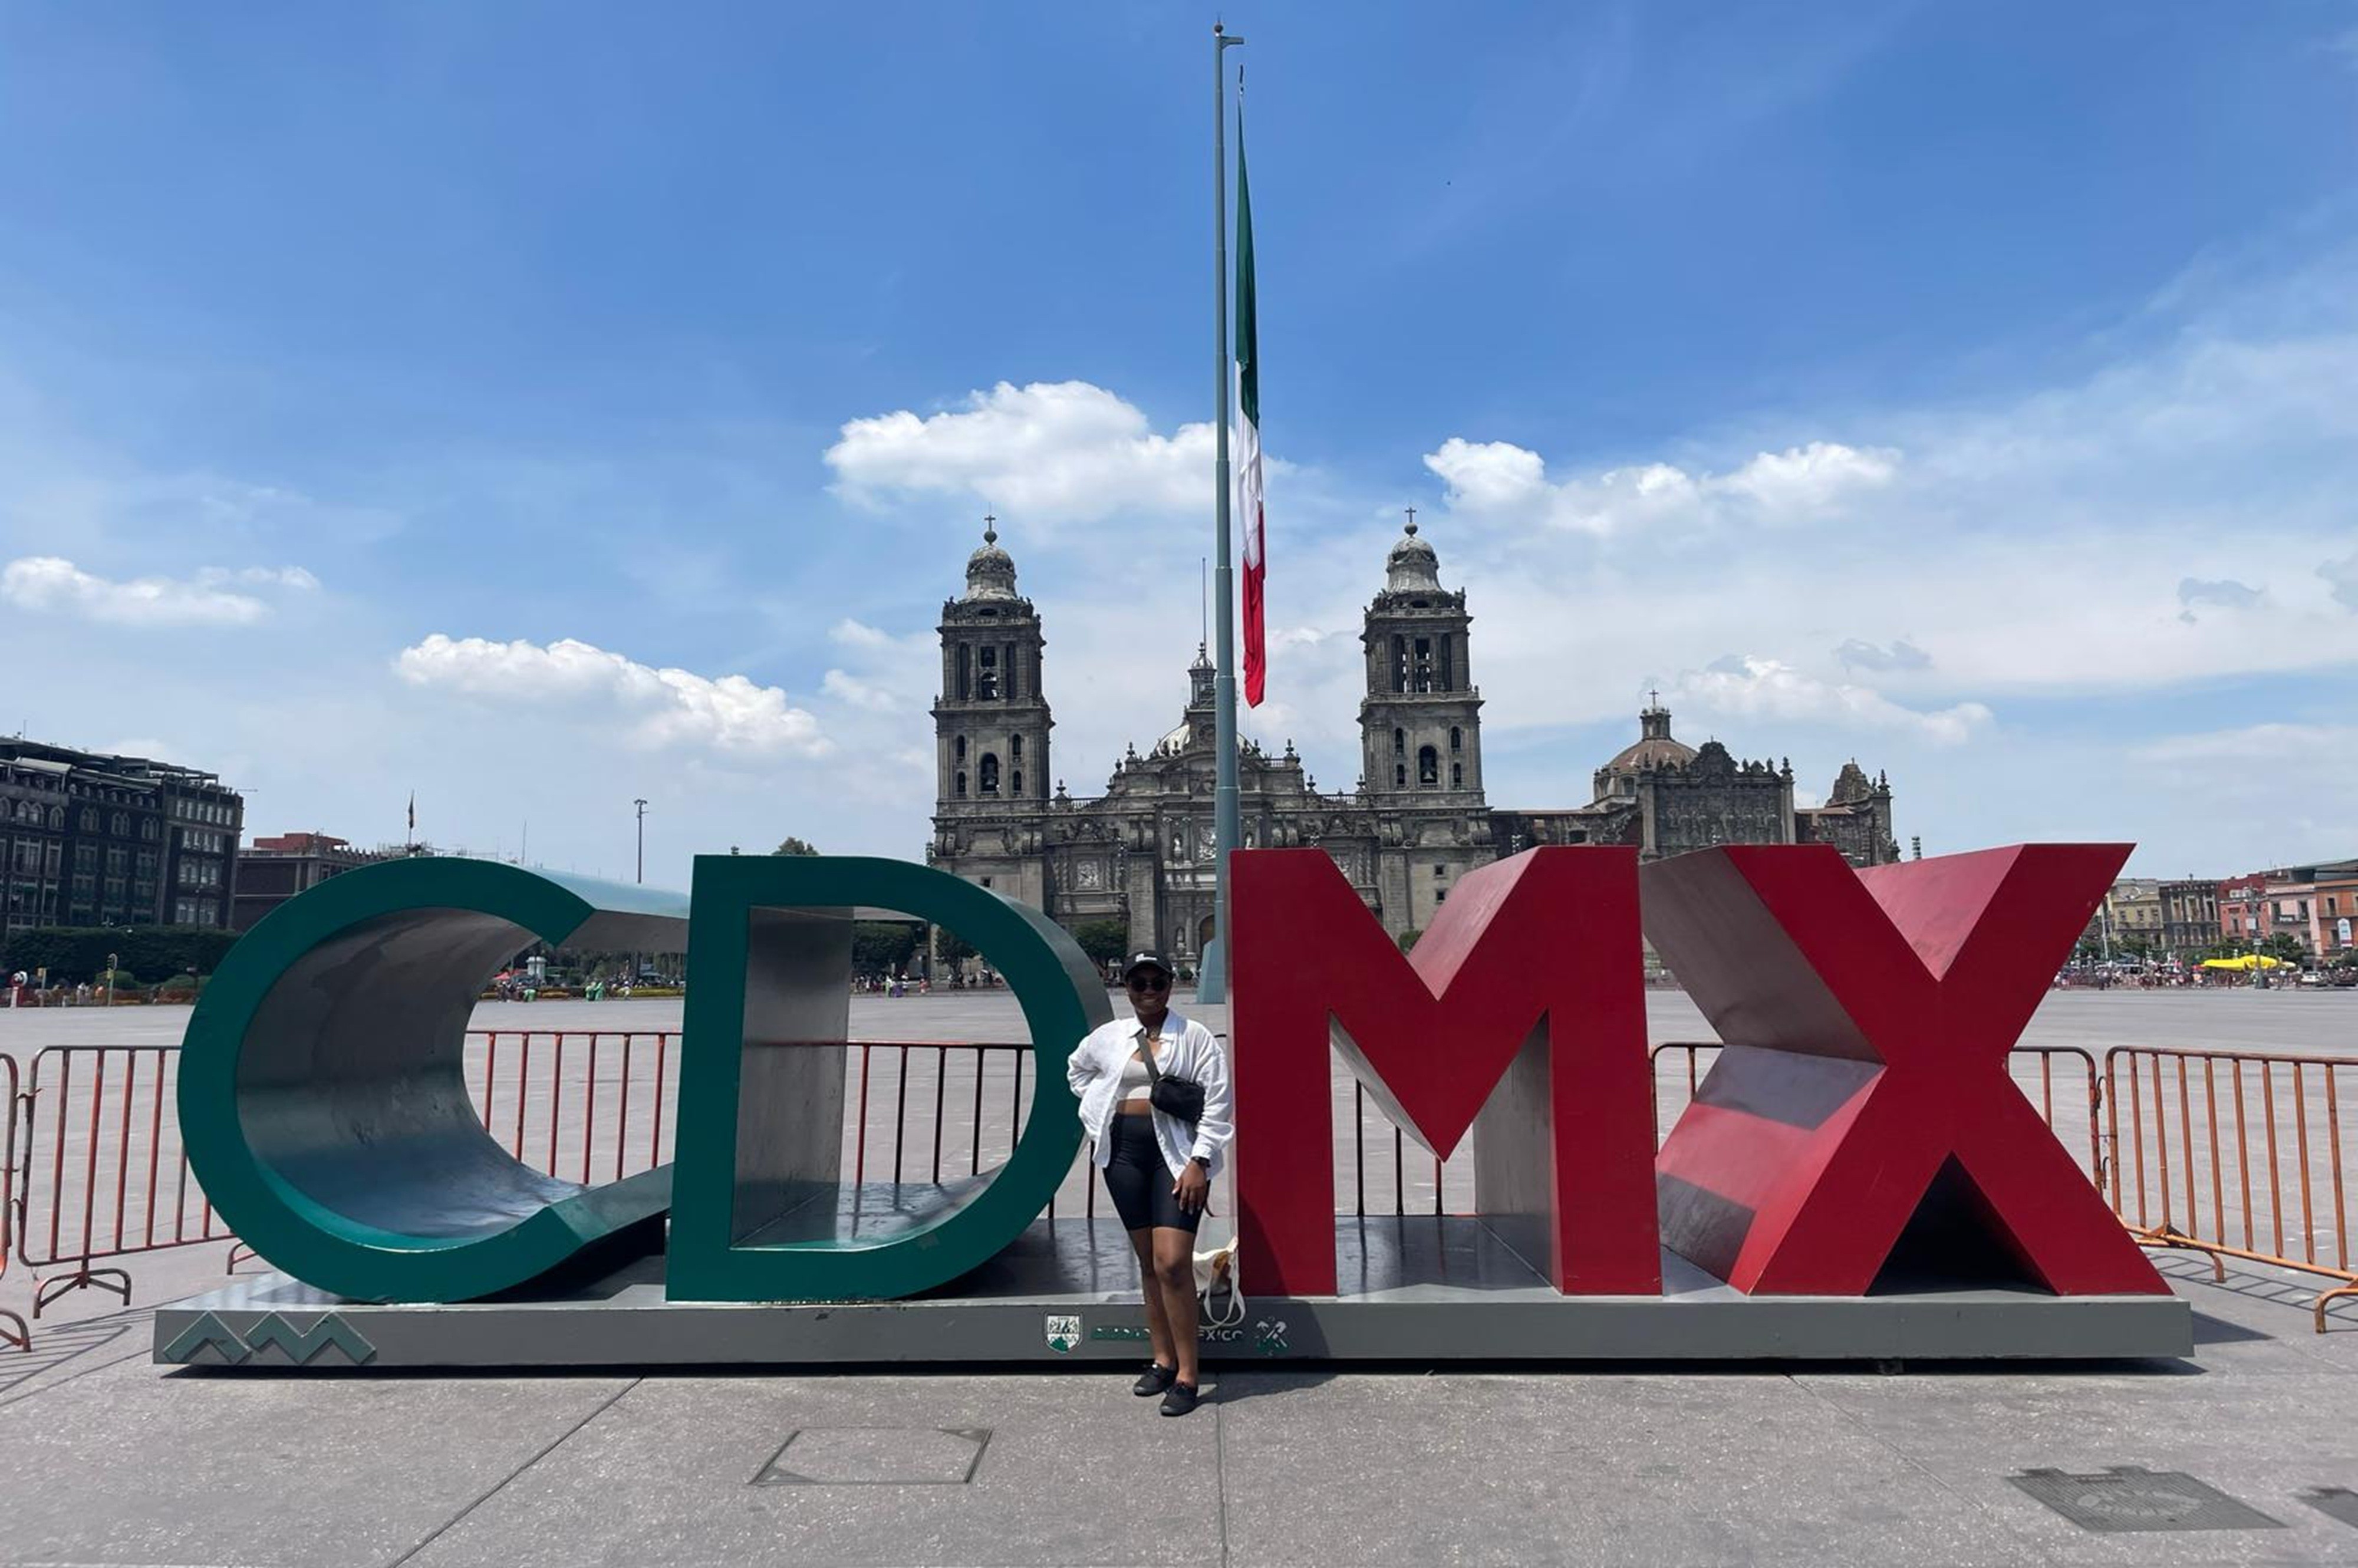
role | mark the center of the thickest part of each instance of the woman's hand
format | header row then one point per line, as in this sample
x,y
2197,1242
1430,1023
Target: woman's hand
x,y
1191,1189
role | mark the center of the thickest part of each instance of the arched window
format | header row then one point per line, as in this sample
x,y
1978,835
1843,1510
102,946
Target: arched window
x,y
1456,775
961,748
961,785
119,825
986,680
58,817
1018,791
1015,754
989,773
1457,739
1399,742
1428,767
1400,775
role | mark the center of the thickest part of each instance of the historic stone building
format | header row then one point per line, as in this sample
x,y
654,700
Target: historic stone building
x,y
1416,821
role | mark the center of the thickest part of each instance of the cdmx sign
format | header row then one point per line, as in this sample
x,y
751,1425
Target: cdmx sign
x,y
1867,1016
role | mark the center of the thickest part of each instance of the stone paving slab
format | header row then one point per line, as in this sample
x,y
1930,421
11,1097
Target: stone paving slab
x,y
1074,1466
121,1466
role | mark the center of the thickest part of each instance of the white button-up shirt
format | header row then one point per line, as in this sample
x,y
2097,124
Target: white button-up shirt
x,y
1182,1049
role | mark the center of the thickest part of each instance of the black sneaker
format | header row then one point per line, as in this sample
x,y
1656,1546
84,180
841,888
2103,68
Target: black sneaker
x,y
1157,1377
1180,1399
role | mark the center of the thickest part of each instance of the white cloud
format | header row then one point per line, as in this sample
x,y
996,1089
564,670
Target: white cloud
x,y
2341,579
1500,479
662,707
1901,654
2224,592
1046,452
55,584
1754,688
2270,745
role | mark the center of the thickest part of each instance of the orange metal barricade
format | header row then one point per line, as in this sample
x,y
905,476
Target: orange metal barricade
x,y
2184,1126
12,1106
104,1172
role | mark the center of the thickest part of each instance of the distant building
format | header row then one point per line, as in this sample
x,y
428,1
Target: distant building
x,y
90,838
2337,909
2307,904
2189,916
2131,916
272,871
1412,825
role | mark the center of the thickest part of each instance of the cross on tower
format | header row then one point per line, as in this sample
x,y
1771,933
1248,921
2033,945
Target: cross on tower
x,y
1412,519
990,529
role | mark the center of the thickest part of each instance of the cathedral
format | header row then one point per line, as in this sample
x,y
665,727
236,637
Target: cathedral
x,y
1416,822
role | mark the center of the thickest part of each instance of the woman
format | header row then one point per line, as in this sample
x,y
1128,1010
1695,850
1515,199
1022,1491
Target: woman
x,y
1158,1169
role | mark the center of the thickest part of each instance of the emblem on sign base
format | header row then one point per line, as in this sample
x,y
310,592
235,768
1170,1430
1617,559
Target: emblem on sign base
x,y
1064,1333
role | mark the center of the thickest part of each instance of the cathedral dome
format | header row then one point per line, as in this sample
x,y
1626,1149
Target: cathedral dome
x,y
1413,563
1655,746
991,571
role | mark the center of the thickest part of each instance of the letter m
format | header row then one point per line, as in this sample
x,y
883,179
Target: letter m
x,y
1521,1015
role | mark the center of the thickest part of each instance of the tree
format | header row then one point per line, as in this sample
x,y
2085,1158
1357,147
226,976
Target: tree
x,y
793,846
1105,941
883,946
2283,945
1407,940
953,947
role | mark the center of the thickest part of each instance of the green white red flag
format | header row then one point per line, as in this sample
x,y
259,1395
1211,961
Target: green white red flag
x,y
1249,501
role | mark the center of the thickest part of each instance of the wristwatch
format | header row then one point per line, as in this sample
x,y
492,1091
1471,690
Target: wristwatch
x,y
1201,1160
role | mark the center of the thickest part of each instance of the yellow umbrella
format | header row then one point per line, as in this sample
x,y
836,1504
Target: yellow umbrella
x,y
2246,961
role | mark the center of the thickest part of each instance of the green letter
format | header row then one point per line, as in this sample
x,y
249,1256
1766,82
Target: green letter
x,y
759,1131
321,1100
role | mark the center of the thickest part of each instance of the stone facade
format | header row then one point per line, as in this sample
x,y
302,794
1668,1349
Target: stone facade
x,y
1416,823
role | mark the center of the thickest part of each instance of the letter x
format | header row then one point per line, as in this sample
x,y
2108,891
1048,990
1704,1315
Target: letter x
x,y
1868,1017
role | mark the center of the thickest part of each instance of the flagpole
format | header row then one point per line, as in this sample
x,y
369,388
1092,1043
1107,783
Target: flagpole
x,y
1211,975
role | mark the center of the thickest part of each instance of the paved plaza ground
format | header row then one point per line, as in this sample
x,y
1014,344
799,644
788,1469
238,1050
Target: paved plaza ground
x,y
106,1458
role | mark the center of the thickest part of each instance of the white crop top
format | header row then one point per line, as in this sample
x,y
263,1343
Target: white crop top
x,y
1135,1084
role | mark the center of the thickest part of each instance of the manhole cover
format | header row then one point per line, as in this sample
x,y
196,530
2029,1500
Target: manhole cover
x,y
2126,1497
876,1456
2334,1502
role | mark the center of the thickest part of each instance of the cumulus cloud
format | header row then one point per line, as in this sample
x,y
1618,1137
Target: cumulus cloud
x,y
893,673
54,584
1751,687
1046,451
1901,654
659,707
2224,592
1499,479
2341,579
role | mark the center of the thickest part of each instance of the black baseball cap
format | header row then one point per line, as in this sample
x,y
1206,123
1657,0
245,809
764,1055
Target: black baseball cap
x,y
1146,961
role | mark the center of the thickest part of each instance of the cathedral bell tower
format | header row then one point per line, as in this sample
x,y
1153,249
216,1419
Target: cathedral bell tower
x,y
1419,724
992,721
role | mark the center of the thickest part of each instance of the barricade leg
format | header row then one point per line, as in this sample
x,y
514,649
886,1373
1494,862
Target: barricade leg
x,y
84,1277
2330,1295
21,1337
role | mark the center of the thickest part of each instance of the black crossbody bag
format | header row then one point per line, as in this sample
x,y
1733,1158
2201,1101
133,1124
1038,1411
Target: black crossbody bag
x,y
1180,1097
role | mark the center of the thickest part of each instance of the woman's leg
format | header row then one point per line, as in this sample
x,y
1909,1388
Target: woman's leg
x,y
1158,1323
1173,1274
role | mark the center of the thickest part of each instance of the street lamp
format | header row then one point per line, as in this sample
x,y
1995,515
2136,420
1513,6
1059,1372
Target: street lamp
x,y
642,805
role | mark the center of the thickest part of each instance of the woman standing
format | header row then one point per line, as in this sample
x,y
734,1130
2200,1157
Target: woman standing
x,y
1158,1168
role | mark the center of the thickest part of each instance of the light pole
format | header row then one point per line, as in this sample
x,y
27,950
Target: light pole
x,y
642,805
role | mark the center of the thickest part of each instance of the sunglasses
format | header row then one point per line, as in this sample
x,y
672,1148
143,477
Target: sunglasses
x,y
1150,982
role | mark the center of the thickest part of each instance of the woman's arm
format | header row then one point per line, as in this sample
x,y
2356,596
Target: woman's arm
x,y
1081,1066
1213,1130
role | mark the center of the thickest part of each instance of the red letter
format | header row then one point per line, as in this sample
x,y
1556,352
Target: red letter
x,y
1530,982
1868,1017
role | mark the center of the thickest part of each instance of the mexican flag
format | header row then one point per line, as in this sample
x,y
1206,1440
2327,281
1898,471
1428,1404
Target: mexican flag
x,y
1248,504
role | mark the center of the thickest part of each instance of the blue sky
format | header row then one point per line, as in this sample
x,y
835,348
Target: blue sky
x,y
540,406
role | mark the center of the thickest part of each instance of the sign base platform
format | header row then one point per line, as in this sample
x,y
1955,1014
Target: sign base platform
x,y
1414,1288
